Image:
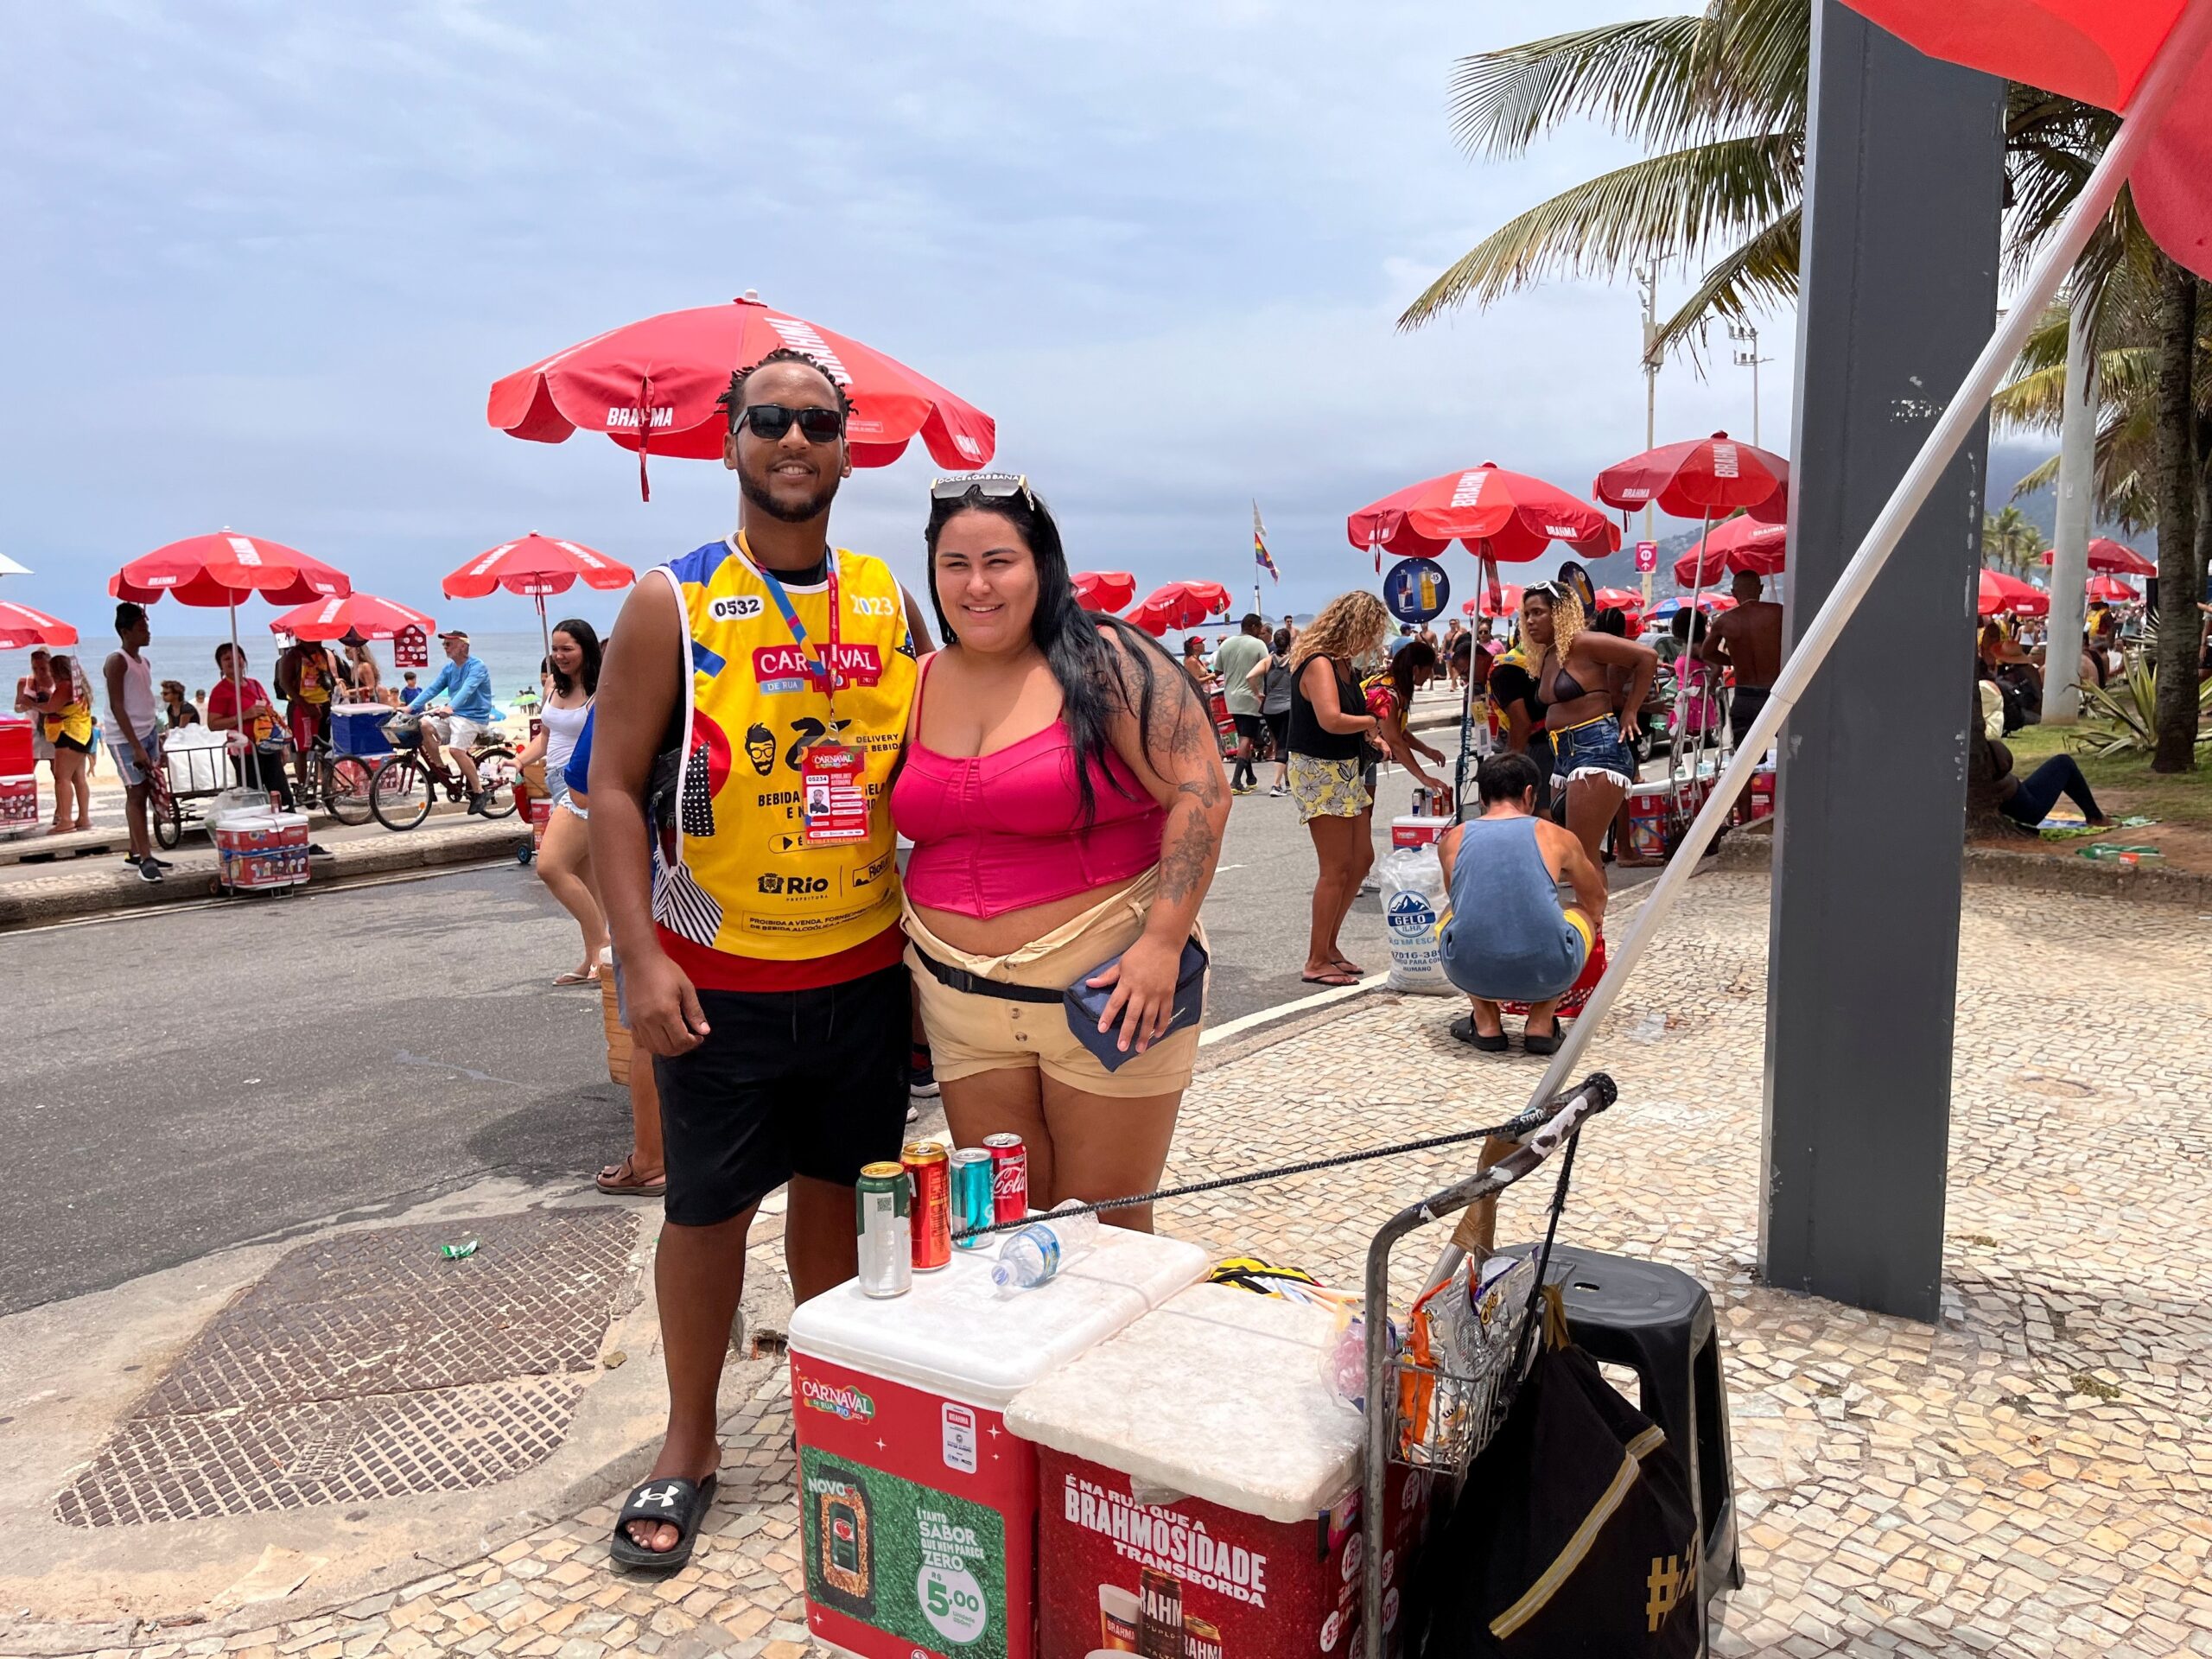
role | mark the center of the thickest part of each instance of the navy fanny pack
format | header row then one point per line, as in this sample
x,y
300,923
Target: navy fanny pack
x,y
1086,1004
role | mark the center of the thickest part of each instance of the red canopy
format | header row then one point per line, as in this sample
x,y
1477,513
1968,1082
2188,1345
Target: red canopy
x,y
1742,543
537,566
1999,592
2111,590
225,568
1507,602
653,385
363,616
1705,478
1104,590
21,626
2113,558
1491,512
1179,605
2099,51
1619,599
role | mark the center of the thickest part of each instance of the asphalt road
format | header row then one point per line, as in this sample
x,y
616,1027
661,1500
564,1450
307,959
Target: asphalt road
x,y
182,1080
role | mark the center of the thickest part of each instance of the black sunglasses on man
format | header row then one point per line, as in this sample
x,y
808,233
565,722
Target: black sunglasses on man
x,y
771,421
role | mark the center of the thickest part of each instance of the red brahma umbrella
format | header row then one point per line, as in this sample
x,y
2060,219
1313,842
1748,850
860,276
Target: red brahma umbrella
x,y
363,616
21,626
2111,590
223,568
1998,592
1493,514
1179,605
2111,558
1704,478
1504,602
1742,543
537,566
652,385
1104,590
2101,52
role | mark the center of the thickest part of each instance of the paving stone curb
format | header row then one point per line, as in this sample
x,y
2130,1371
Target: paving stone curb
x,y
99,888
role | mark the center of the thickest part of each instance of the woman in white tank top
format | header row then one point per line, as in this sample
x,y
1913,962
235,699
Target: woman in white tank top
x,y
564,859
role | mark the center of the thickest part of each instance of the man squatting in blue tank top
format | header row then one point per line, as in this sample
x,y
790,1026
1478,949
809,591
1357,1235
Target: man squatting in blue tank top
x,y
1507,937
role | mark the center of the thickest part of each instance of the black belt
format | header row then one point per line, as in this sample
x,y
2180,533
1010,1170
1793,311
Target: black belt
x,y
960,979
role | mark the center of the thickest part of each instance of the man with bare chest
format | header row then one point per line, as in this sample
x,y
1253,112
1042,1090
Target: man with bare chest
x,y
1747,641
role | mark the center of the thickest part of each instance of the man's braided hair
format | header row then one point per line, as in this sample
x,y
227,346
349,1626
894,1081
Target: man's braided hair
x,y
731,403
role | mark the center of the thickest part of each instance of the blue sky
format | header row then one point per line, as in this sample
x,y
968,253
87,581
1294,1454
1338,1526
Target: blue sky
x,y
267,259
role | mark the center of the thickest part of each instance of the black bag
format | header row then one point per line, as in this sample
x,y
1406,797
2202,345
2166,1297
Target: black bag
x,y
1574,1534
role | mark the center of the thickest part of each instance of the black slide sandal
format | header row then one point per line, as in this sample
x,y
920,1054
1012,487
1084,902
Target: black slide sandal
x,y
675,1501
1464,1030
1541,1042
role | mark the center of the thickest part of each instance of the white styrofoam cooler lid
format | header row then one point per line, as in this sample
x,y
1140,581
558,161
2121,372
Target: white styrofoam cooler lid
x,y
957,1333
1219,1395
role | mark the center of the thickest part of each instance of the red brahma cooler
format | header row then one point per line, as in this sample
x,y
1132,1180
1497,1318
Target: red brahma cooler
x,y
1200,1490
917,1510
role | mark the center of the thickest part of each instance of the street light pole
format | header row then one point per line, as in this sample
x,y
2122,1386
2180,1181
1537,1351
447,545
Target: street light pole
x,y
1647,279
1746,337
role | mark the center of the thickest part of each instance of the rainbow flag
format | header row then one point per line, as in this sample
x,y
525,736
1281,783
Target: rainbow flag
x,y
1260,556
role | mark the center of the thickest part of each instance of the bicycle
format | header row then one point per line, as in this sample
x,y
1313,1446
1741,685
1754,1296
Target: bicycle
x,y
403,786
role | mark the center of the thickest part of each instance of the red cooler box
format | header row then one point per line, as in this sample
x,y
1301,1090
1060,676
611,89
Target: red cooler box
x,y
18,755
1412,830
917,1510
1200,1490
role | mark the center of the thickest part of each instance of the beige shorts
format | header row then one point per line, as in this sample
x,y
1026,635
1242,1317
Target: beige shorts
x,y
970,1033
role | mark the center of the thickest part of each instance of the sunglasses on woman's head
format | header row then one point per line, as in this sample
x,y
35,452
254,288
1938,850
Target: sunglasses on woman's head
x,y
993,486
771,421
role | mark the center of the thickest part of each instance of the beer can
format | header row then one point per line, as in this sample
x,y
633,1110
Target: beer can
x,y
927,1169
883,1197
971,1194
1009,1176
1159,1614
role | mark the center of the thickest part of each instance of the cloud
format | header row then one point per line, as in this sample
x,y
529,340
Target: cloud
x,y
270,258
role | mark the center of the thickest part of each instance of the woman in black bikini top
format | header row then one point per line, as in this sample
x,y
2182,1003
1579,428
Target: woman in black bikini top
x,y
1590,735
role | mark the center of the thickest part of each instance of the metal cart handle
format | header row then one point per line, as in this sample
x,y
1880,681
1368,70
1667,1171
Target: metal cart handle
x,y
1555,1125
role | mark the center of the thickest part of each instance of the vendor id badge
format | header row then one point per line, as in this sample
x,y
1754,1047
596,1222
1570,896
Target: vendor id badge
x,y
833,804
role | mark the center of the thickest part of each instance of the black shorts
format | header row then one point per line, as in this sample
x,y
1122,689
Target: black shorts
x,y
788,1083
75,745
1251,728
1744,705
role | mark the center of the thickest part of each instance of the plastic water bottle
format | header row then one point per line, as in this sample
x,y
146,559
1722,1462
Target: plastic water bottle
x,y
1031,1257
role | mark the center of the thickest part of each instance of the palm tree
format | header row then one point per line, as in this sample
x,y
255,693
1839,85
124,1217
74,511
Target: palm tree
x,y
2153,465
2011,541
1718,102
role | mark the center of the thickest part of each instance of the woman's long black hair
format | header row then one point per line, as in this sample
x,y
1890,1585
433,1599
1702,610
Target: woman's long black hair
x,y
1078,645
587,638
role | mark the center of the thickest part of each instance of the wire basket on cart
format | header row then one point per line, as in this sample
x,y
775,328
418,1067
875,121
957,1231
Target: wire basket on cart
x,y
1443,1414
1436,1400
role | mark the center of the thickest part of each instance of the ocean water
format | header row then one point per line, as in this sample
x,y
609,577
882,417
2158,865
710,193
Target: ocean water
x,y
513,659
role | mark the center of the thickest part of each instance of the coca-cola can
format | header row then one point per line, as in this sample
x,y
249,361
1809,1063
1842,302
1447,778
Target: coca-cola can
x,y
1009,1176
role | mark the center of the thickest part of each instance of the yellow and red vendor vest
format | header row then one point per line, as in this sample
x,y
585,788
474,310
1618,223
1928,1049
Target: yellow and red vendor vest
x,y
733,870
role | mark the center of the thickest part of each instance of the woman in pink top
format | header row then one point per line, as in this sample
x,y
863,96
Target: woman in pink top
x,y
1063,788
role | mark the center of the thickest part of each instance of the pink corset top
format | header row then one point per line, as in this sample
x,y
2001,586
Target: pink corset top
x,y
1003,831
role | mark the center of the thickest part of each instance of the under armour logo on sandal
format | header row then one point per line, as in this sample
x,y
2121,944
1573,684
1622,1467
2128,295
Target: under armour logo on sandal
x,y
665,1497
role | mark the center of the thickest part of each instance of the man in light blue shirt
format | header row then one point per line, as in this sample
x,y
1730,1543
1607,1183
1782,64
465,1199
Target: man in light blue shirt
x,y
455,708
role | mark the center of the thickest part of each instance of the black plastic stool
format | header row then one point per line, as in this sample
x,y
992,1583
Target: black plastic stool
x,y
1659,1323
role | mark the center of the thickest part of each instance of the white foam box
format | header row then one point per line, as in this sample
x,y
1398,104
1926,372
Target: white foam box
x,y
1200,1488
917,1509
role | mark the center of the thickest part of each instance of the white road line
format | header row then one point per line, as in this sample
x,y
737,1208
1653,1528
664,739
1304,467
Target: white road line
x,y
1218,868
1284,1010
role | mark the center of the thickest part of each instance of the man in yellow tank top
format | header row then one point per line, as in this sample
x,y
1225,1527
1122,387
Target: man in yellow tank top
x,y
756,689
